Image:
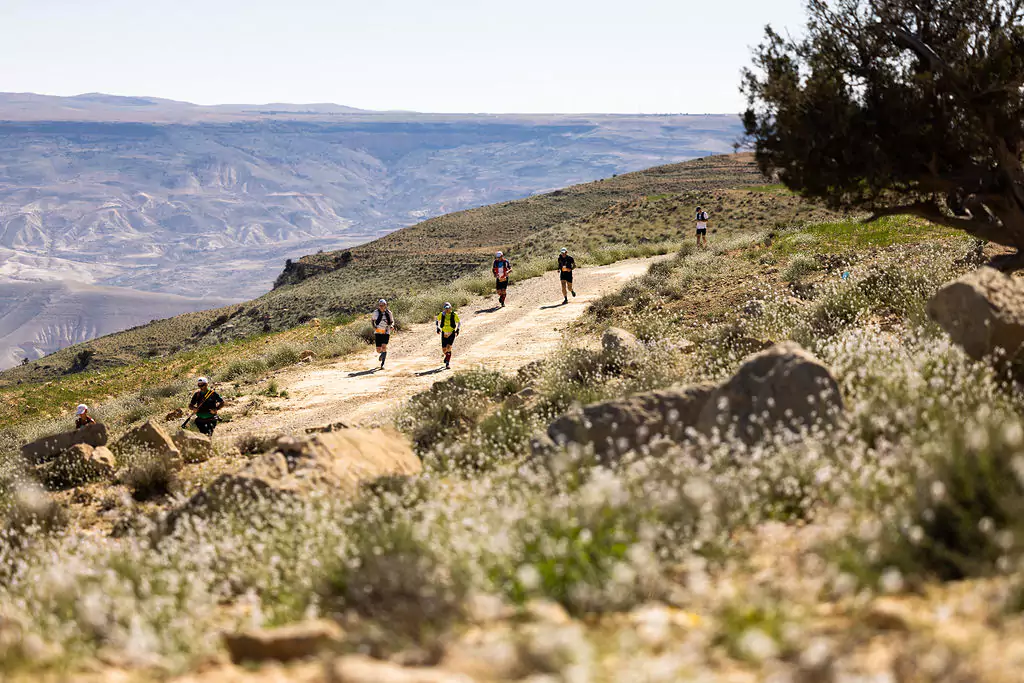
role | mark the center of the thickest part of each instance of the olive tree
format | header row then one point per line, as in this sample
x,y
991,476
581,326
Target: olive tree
x,y
899,107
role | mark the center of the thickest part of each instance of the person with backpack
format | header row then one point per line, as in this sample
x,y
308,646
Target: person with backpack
x,y
566,264
702,226
82,417
501,269
448,327
383,323
204,405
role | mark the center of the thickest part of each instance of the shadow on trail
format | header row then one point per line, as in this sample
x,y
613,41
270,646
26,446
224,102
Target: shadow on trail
x,y
435,371
558,305
364,373
488,310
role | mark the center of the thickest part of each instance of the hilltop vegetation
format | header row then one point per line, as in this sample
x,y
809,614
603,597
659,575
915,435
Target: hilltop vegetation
x,y
631,214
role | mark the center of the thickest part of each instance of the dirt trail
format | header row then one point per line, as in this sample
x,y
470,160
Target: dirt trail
x,y
530,326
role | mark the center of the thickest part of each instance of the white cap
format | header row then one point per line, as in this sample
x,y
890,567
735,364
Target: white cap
x,y
201,380
497,254
80,410
447,305
564,250
382,301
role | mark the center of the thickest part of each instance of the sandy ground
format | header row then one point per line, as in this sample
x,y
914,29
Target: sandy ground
x,y
353,391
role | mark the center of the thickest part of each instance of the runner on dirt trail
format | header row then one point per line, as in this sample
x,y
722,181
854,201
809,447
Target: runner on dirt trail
x,y
448,327
205,403
566,264
383,323
702,226
501,269
82,417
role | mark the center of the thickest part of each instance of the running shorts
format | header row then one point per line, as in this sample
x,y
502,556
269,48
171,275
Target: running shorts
x,y
381,339
566,275
501,285
447,339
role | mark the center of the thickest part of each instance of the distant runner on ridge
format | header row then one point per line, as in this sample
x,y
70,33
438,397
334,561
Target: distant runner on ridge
x,y
383,323
566,264
501,269
702,226
448,327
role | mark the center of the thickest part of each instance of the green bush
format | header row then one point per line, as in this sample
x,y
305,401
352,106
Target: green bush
x,y
282,355
244,369
150,477
967,515
800,266
449,409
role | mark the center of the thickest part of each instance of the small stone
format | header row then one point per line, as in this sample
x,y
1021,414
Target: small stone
x,y
296,641
547,611
887,614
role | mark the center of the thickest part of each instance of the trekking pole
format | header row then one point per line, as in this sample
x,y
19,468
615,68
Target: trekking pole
x,y
185,423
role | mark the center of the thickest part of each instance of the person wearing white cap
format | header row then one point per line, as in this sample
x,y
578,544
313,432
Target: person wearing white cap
x,y
82,417
501,269
383,323
566,264
448,327
204,404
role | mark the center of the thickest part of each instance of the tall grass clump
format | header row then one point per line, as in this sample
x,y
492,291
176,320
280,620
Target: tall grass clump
x,y
451,408
799,267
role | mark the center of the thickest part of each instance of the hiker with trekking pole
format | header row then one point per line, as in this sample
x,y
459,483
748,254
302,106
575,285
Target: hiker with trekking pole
x,y
204,406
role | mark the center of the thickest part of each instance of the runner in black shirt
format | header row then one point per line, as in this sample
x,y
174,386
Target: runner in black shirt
x,y
205,403
566,264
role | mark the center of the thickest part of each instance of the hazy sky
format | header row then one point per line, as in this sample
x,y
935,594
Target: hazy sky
x,y
650,56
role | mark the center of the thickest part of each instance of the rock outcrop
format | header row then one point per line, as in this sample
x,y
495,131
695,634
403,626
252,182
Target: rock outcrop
x,y
983,312
78,465
330,463
49,447
615,427
150,437
783,387
361,669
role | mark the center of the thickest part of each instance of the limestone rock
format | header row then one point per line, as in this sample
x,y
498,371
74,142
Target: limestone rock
x,y
295,641
330,463
619,345
195,448
360,669
78,465
49,447
783,387
982,312
150,437
307,356
615,427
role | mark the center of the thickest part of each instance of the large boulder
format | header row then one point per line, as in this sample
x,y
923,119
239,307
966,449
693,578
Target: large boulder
x,y
329,463
78,465
983,312
283,644
195,448
615,427
783,387
149,437
49,447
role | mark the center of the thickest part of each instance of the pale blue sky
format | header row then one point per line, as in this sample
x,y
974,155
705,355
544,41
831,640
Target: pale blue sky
x,y
650,56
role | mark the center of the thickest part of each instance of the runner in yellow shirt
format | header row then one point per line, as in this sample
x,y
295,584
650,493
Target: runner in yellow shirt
x,y
448,326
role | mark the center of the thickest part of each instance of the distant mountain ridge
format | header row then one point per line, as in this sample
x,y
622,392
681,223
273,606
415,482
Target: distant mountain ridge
x,y
206,203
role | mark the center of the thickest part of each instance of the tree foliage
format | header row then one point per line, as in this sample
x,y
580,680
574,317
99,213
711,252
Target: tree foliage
x,y
899,107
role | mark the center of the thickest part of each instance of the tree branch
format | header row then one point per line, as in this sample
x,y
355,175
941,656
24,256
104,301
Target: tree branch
x,y
930,211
